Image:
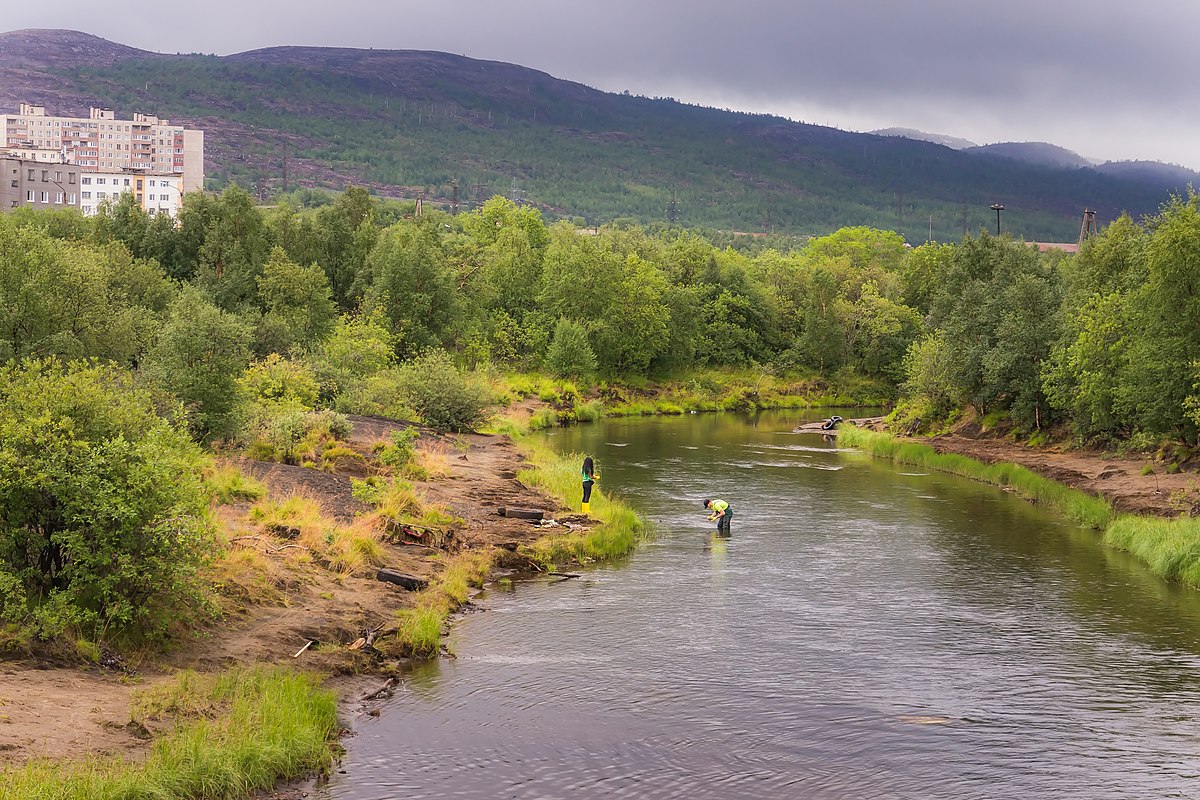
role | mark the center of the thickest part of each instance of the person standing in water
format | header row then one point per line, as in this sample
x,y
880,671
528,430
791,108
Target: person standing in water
x,y
589,478
722,512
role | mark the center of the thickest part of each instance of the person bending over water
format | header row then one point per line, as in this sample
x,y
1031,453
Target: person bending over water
x,y
722,512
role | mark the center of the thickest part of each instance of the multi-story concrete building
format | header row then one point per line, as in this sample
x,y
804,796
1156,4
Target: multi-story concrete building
x,y
28,183
101,142
156,194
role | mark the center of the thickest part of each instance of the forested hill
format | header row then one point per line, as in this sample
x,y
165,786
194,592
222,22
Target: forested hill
x,y
408,123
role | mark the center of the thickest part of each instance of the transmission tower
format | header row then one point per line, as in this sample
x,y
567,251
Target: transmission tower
x,y
672,209
1087,229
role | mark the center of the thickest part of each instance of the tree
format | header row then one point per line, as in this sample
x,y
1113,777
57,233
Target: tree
x,y
570,355
408,275
102,515
200,353
235,244
298,296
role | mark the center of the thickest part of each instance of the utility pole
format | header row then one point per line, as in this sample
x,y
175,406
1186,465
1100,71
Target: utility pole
x,y
997,207
454,199
672,209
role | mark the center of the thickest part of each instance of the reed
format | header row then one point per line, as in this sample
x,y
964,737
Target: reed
x,y
232,734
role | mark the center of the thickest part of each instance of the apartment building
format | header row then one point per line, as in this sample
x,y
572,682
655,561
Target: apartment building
x,y
101,142
28,183
156,194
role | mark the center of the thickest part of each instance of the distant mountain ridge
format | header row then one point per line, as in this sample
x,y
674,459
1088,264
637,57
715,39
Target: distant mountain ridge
x,y
450,128
1044,153
945,140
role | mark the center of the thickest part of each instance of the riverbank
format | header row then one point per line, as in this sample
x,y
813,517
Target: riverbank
x,y
298,589
1136,510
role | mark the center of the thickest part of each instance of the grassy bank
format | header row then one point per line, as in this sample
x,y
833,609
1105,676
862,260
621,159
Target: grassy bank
x,y
620,527
570,402
228,735
1092,512
1170,548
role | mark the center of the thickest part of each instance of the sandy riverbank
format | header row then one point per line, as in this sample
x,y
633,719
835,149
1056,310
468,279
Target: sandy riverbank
x,y
48,710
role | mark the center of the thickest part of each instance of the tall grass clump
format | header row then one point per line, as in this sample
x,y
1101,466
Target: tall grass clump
x,y
418,632
1169,547
620,527
232,734
225,483
1092,512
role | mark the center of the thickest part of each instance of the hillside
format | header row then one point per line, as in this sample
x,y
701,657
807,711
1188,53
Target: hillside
x,y
1042,153
953,142
409,122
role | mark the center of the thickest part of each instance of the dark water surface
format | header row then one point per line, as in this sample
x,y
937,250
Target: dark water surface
x,y
866,632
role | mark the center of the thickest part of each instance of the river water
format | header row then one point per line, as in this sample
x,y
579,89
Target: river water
x,y
866,632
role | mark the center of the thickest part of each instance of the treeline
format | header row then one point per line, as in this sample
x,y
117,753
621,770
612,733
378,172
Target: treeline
x,y
129,340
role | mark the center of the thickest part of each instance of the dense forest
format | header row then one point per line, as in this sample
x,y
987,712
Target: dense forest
x,y
132,343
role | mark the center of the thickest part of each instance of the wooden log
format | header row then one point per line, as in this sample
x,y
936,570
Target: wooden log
x,y
520,513
410,582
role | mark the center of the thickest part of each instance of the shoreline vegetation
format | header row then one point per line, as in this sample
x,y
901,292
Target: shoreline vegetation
x,y
1169,547
203,464
223,735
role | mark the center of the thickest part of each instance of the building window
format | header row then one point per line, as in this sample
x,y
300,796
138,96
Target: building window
x,y
45,175
58,198
57,175
45,197
71,177
29,196
87,195
31,174
101,181
71,199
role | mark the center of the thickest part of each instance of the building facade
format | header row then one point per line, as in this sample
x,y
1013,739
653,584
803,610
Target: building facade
x,y
155,193
38,185
103,143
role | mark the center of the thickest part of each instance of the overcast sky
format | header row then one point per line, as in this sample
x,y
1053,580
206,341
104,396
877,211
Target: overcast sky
x,y
1109,79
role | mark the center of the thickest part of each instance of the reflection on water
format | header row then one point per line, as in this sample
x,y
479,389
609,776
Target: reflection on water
x,y
864,633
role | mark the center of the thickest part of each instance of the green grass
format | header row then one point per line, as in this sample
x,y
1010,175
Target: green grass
x,y
1092,512
620,527
418,632
1169,547
233,734
228,484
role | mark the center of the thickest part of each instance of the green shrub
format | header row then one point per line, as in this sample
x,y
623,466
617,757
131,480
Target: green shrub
x,y
400,451
102,507
570,355
442,396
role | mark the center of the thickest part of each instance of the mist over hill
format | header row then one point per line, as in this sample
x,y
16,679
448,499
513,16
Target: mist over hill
x,y
413,123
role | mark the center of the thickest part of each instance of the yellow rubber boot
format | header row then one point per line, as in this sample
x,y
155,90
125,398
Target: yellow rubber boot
x,y
587,508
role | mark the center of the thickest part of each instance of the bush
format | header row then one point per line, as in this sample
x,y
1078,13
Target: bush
x,y
570,355
102,507
443,396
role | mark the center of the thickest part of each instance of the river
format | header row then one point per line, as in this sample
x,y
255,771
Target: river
x,y
866,632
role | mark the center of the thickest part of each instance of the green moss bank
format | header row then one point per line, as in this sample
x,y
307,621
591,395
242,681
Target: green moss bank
x,y
1169,547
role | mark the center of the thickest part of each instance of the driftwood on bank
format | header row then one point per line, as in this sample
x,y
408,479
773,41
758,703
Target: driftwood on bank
x,y
520,513
411,582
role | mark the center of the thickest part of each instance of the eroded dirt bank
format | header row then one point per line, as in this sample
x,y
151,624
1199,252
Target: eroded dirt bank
x,y
51,711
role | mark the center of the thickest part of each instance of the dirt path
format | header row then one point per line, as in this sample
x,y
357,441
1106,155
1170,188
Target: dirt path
x,y
54,712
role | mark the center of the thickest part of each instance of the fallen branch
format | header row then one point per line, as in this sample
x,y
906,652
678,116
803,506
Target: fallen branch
x,y
566,574
383,691
311,642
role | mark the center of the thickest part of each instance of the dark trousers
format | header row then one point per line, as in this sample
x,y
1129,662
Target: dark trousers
x,y
587,491
723,522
